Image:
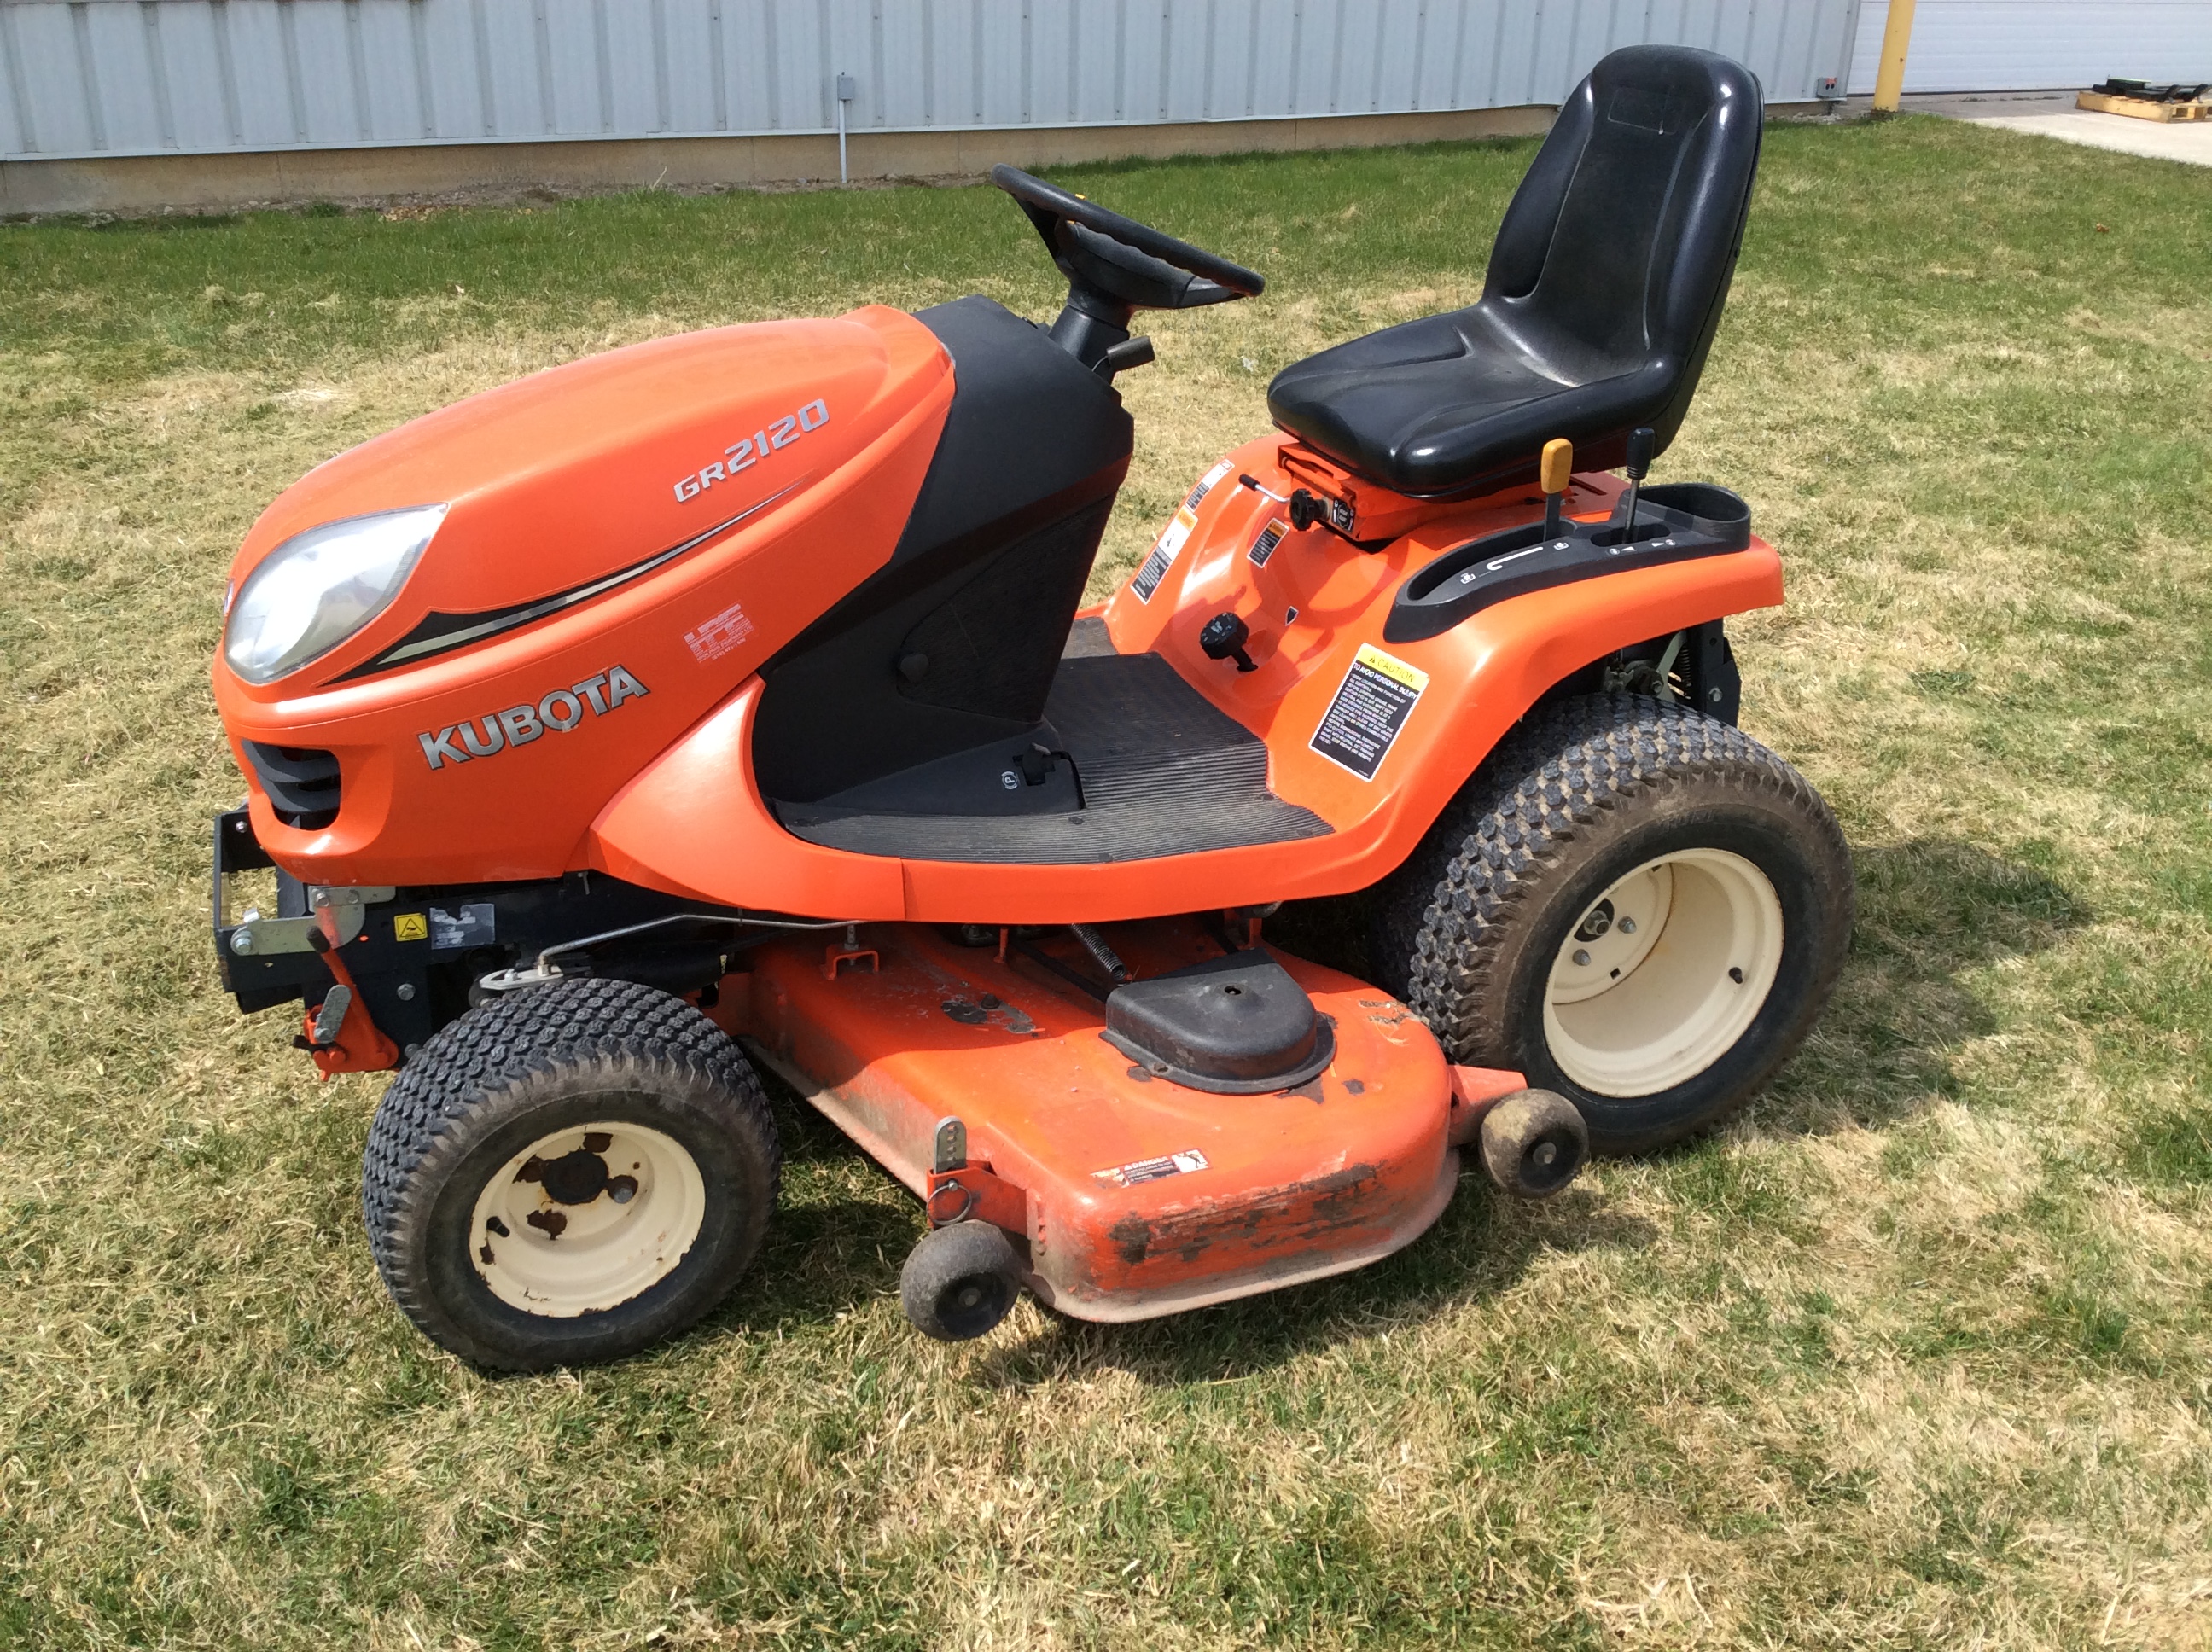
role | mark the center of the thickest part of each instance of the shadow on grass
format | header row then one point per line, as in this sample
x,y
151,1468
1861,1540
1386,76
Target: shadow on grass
x,y
1934,913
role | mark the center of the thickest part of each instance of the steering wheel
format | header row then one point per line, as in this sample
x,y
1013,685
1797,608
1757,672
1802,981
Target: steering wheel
x,y
1116,266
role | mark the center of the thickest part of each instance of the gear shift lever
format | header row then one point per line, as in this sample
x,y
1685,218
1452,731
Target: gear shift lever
x,y
1640,441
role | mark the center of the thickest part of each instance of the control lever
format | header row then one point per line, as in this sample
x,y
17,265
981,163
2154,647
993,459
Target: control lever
x,y
1129,353
1640,441
1552,471
1306,508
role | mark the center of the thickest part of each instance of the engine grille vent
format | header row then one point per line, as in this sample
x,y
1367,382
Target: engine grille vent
x,y
302,784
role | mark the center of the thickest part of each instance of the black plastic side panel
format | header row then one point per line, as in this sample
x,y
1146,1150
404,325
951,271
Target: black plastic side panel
x,y
1674,523
979,592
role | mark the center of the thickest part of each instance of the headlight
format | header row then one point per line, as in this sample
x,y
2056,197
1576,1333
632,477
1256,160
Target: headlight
x,y
319,587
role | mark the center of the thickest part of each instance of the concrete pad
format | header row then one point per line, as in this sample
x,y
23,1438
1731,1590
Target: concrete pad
x,y
2187,141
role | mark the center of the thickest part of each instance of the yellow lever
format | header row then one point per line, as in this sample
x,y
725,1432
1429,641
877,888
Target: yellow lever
x,y
1558,463
1552,470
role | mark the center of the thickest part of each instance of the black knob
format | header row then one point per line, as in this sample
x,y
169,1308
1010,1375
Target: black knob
x,y
1224,637
1640,441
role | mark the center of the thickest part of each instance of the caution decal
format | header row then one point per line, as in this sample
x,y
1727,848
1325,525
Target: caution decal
x,y
1206,485
1372,703
1151,1170
1270,536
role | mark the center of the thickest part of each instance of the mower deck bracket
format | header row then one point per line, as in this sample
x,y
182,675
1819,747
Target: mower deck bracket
x,y
1474,1092
973,1192
257,937
835,957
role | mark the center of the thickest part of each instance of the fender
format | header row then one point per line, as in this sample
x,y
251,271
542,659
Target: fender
x,y
694,823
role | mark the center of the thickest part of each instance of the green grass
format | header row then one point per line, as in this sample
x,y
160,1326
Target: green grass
x,y
1913,1355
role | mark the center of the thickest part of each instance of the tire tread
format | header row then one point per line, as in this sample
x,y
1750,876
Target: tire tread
x,y
1567,767
636,1028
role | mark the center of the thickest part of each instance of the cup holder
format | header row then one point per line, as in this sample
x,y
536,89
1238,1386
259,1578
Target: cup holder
x,y
1716,507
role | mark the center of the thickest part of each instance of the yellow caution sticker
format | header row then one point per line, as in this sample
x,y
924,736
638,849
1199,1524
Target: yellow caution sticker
x,y
1372,703
411,926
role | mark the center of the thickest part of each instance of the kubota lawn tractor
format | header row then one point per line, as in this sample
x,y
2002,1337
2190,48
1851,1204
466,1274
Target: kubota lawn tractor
x,y
723,703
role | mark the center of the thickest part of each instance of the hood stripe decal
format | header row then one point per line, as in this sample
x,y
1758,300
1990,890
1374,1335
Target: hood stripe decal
x,y
442,633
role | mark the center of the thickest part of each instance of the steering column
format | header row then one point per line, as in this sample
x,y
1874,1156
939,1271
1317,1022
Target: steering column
x,y
1115,267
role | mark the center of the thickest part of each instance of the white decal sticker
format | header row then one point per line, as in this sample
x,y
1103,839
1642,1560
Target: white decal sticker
x,y
476,924
1151,1170
1270,536
1206,485
715,637
1164,554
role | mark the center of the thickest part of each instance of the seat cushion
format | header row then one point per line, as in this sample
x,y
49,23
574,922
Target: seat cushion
x,y
1445,405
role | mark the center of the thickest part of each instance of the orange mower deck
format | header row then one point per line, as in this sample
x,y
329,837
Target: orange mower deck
x,y
1136,1197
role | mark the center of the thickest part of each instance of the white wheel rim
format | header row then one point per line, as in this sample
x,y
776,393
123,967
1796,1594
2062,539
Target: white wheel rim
x,y
1637,1006
586,1218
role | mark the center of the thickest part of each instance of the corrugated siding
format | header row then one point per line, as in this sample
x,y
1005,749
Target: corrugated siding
x,y
2020,46
145,76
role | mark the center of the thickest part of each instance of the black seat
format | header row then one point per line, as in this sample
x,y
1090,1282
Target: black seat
x,y
1604,289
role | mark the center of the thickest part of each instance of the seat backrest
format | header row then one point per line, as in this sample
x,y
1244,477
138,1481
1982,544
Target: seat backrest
x,y
1616,251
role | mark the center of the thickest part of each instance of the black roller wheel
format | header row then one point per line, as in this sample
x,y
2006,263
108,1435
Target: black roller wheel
x,y
960,1281
1534,1143
565,1174
1632,904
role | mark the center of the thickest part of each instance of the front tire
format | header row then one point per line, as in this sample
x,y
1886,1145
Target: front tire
x,y
1632,904
569,1173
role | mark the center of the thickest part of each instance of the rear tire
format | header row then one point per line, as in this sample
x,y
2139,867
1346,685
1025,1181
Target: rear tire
x,y
569,1173
1503,932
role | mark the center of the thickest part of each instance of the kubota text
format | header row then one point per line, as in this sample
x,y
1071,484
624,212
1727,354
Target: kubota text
x,y
559,711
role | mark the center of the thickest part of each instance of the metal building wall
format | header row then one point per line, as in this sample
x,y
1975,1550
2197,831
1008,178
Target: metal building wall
x,y
84,78
2020,46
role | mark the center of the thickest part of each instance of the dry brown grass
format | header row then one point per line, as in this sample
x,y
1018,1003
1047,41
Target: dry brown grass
x,y
1914,1355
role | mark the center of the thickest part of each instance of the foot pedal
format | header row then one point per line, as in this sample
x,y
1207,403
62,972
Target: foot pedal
x,y
330,1020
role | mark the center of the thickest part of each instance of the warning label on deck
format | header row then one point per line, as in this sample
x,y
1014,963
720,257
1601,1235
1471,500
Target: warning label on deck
x,y
1151,1170
1377,697
1164,554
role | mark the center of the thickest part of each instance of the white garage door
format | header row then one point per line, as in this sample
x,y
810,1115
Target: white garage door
x,y
2015,45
